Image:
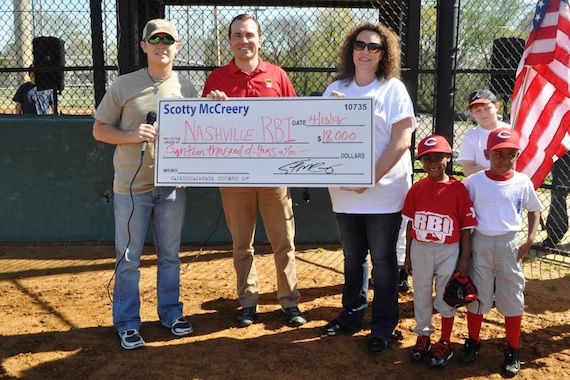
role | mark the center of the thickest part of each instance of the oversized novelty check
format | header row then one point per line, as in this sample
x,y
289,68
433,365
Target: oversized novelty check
x,y
297,142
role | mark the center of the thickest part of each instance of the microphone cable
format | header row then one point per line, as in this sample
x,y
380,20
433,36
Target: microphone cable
x,y
128,229
150,119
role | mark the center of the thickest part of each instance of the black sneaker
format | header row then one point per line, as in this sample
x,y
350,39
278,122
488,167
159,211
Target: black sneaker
x,y
335,328
294,316
470,351
180,327
131,339
377,346
403,283
246,316
512,364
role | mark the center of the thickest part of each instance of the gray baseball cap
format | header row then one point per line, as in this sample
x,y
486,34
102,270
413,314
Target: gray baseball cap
x,y
159,25
481,97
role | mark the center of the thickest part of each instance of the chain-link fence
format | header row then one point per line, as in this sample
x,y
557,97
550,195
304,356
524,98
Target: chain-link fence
x,y
490,47
49,43
304,41
55,39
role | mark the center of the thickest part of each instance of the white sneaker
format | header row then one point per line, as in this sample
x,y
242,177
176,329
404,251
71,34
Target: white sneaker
x,y
131,339
180,327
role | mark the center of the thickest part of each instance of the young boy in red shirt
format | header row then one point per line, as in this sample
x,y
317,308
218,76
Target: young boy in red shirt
x,y
440,218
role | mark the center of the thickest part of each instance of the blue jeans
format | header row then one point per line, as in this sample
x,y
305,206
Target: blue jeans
x,y
163,209
359,235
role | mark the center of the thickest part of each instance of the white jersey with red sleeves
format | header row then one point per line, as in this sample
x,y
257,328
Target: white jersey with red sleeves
x,y
499,204
439,210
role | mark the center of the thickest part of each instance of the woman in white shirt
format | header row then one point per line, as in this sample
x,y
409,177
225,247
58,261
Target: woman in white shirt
x,y
369,219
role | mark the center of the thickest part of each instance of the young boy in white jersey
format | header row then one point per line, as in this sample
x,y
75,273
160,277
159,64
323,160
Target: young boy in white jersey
x,y
483,107
499,197
439,216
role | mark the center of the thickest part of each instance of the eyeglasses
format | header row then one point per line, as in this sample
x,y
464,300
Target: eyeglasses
x,y
155,40
372,47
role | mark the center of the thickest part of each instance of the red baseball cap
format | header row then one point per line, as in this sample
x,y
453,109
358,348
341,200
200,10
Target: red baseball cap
x,y
433,144
503,138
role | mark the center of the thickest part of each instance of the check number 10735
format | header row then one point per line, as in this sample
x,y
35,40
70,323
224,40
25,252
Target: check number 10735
x,y
356,106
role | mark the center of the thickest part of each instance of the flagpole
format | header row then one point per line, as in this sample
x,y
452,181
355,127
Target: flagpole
x,y
519,96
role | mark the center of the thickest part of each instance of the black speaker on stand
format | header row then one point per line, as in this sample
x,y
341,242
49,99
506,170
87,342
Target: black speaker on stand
x,y
49,59
507,53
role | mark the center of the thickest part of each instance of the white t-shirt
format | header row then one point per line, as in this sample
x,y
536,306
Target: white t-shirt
x,y
392,104
499,204
474,143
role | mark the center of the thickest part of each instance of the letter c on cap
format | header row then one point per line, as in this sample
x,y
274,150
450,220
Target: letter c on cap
x,y
504,135
431,141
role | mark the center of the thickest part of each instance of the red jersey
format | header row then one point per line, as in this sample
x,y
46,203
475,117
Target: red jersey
x,y
439,210
267,80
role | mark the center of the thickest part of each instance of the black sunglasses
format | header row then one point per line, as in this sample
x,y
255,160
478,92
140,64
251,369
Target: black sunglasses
x,y
372,47
155,40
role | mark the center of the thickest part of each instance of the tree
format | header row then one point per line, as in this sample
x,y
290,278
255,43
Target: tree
x,y
310,43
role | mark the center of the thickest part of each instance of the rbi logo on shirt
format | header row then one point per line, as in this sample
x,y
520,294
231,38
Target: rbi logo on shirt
x,y
268,83
432,228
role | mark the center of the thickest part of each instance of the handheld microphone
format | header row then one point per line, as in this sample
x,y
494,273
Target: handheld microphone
x,y
150,119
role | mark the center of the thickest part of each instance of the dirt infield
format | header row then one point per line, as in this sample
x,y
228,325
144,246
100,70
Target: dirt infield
x,y
55,313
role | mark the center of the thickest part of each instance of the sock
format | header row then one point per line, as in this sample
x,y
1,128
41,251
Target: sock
x,y
474,322
513,331
446,328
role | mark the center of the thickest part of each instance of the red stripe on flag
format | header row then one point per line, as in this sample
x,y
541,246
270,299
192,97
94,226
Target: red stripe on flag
x,y
541,126
541,96
551,77
554,149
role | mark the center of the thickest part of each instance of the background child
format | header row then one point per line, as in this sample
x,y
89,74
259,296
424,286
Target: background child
x,y
499,196
440,215
483,108
30,100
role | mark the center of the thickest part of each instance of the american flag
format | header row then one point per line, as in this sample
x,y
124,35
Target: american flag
x,y
541,96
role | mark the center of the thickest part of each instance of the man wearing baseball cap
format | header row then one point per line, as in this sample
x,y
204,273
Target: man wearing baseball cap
x,y
483,107
439,216
500,195
125,118
157,26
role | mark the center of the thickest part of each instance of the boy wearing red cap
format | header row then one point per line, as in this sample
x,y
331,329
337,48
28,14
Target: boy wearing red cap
x,y
499,197
440,217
